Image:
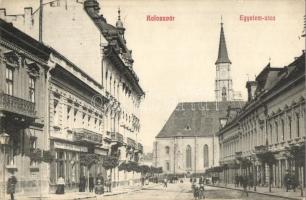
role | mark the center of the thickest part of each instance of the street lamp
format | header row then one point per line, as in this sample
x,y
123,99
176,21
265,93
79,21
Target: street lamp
x,y
4,140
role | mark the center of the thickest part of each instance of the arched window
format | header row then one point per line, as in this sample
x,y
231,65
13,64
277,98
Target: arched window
x,y
188,156
167,149
283,129
206,156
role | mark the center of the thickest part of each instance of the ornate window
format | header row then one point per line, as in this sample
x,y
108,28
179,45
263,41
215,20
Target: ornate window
x,y
290,129
206,155
167,149
297,125
9,80
276,131
188,156
32,89
283,129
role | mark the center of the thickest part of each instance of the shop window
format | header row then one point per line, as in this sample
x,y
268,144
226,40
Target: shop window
x,y
60,164
33,146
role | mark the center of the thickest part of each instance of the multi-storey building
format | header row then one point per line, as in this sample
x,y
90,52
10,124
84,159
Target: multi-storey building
x,y
273,120
23,95
76,121
100,50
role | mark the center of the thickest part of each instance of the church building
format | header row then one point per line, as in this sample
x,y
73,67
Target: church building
x,y
187,143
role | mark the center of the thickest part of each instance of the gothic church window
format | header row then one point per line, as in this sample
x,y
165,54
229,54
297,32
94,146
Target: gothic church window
x,y
188,156
206,156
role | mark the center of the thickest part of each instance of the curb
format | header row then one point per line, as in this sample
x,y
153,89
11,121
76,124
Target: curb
x,y
125,192
250,191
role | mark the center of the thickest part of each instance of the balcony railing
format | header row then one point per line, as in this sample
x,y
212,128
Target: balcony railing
x,y
238,154
84,135
17,105
131,142
261,149
115,136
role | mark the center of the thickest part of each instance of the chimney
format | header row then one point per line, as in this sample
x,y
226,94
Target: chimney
x,y
251,87
28,18
2,13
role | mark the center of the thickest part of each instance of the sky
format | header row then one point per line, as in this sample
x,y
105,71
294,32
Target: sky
x,y
175,60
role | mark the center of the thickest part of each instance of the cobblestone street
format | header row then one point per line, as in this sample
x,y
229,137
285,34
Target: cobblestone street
x,y
183,191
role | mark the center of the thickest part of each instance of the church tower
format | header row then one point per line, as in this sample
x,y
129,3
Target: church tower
x,y
224,83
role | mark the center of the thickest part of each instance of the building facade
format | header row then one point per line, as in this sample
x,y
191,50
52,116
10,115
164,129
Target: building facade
x,y
24,67
187,143
271,123
76,122
94,92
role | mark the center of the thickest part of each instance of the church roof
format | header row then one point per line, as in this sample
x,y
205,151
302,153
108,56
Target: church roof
x,y
222,53
196,119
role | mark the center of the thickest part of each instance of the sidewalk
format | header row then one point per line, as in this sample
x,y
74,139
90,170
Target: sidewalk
x,y
84,195
277,192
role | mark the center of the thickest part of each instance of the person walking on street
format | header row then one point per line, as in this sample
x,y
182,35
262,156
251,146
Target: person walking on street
x,y
11,186
236,180
82,184
91,183
245,185
287,180
60,186
165,182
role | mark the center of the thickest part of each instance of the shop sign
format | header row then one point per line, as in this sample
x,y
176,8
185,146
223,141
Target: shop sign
x,y
101,152
71,147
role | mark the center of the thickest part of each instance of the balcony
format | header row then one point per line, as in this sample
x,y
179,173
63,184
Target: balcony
x,y
131,142
86,136
117,137
261,149
17,105
238,154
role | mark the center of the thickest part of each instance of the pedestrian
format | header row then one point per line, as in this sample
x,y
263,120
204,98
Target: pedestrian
x,y
60,186
91,183
100,177
287,180
82,184
99,188
245,185
201,191
165,182
250,181
236,180
108,184
11,186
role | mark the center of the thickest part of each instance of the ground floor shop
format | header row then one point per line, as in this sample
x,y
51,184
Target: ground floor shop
x,y
68,164
260,173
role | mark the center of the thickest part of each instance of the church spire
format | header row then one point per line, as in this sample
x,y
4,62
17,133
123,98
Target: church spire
x,y
222,53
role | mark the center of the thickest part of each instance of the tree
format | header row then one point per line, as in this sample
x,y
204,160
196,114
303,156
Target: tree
x,y
297,154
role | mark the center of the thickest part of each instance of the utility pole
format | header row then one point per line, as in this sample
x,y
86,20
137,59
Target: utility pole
x,y
40,19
